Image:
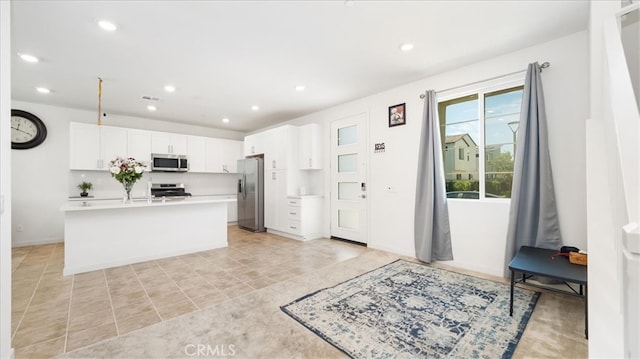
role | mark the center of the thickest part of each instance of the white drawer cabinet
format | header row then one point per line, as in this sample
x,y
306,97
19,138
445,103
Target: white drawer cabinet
x,y
304,216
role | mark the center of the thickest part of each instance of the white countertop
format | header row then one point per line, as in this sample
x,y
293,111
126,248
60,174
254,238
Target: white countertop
x,y
98,204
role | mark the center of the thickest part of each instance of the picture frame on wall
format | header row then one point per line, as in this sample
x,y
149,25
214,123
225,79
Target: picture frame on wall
x,y
397,115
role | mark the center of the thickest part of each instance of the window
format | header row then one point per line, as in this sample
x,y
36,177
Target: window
x,y
480,128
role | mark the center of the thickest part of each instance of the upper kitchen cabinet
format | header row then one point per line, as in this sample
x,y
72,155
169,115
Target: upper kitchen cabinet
x,y
281,148
255,144
139,146
168,143
84,146
310,147
196,153
113,143
214,155
92,147
232,152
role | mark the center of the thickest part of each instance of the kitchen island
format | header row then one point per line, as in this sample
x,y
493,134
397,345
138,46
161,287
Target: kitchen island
x,y
107,233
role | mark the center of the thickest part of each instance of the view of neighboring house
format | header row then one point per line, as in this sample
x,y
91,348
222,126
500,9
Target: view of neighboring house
x,y
460,158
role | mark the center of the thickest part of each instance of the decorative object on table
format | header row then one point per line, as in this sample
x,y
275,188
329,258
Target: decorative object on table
x,y
84,187
579,258
127,171
407,309
27,130
397,115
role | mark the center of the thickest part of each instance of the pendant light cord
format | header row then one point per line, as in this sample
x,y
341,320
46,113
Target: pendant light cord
x,y
99,101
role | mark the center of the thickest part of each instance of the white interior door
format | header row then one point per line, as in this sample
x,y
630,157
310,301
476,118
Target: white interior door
x,y
349,179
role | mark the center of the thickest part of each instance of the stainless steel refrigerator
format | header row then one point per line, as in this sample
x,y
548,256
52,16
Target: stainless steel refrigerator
x,y
251,194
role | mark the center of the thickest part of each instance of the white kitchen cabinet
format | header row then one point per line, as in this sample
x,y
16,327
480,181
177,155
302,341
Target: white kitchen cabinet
x,y
84,146
232,152
255,144
196,153
214,157
310,147
304,216
232,211
92,147
113,143
139,146
168,143
281,148
275,194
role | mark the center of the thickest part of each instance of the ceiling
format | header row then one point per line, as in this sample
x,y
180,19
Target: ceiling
x,y
225,56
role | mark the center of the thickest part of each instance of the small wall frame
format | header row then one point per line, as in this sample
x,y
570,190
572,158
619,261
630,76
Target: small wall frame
x,y
397,115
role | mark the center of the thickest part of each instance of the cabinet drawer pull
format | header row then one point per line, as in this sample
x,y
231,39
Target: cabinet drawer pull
x,y
293,227
292,213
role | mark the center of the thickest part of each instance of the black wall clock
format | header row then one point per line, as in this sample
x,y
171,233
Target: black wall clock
x,y
27,130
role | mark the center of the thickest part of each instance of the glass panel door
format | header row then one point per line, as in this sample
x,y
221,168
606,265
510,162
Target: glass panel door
x,y
348,179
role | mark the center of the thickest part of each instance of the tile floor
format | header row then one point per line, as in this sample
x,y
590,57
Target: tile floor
x,y
54,314
152,309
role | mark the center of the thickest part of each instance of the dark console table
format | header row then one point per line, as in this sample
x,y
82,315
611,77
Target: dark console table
x,y
541,262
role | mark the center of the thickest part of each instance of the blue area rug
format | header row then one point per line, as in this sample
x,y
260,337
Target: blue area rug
x,y
406,309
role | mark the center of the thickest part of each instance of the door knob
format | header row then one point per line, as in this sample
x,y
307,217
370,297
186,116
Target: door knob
x,y
364,196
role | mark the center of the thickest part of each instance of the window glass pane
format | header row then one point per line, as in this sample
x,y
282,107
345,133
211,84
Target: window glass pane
x,y
502,115
348,218
348,163
460,130
347,135
348,190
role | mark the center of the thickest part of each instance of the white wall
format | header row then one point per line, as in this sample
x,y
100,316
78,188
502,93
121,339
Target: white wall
x,y
5,180
42,181
478,227
606,210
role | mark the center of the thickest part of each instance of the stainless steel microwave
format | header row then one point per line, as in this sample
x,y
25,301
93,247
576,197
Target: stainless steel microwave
x,y
161,162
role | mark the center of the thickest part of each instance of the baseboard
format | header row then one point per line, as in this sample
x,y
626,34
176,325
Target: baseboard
x,y
36,242
411,254
294,236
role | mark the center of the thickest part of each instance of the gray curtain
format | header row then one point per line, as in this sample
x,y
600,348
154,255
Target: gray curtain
x,y
431,229
533,217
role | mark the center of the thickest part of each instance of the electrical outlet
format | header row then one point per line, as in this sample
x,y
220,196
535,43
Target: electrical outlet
x,y
19,228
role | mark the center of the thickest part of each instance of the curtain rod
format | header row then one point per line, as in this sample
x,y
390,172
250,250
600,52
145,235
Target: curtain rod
x,y
543,66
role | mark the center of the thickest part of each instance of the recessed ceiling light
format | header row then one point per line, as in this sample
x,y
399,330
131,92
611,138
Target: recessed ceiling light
x,y
28,58
107,25
255,107
225,120
43,89
170,88
300,88
406,47
151,108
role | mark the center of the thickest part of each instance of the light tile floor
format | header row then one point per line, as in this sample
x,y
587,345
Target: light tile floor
x,y
54,314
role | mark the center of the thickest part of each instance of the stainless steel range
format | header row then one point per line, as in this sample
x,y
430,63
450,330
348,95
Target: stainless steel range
x,y
168,191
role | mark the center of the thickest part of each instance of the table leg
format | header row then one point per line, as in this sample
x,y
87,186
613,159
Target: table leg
x,y
513,280
586,312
